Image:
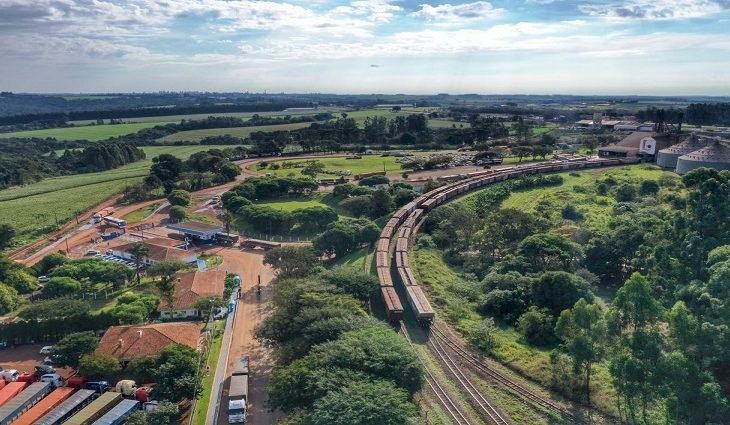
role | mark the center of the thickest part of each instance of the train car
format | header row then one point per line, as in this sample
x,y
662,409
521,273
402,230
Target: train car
x,y
14,408
405,232
419,303
44,406
400,215
401,245
381,259
393,306
387,232
119,413
429,204
68,408
95,409
404,277
11,390
384,276
401,259
383,244
393,222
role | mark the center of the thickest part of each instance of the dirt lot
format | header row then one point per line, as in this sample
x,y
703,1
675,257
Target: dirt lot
x,y
24,358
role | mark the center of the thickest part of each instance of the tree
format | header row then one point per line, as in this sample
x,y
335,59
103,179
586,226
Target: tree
x,y
49,262
626,192
338,239
590,143
482,335
179,197
178,213
69,351
381,203
353,403
582,331
291,261
20,280
537,327
558,291
354,282
7,233
373,181
98,365
634,304
176,373
139,252
207,304
313,168
62,286
166,413
166,270
550,251
8,299
55,309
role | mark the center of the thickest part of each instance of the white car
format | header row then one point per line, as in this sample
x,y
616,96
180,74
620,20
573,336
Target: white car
x,y
54,378
47,350
10,375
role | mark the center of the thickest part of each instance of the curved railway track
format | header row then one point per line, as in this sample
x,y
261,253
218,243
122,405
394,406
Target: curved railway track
x,y
395,241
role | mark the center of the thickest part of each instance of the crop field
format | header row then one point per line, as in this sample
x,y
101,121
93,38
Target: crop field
x,y
176,118
30,209
242,132
364,165
87,132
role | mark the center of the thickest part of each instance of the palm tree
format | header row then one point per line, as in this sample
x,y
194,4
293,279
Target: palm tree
x,y
139,252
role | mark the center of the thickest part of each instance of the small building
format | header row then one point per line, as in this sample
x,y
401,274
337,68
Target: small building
x,y
159,249
197,231
189,288
126,343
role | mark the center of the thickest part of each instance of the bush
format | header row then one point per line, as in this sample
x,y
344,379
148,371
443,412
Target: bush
x,y
179,197
374,180
481,335
98,365
626,193
649,187
62,286
178,213
570,212
537,327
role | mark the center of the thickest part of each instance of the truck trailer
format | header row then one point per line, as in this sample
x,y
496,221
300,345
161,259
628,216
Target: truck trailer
x,y
238,392
68,408
95,409
119,413
13,409
44,406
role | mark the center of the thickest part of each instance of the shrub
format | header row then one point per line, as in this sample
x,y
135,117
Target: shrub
x,y
537,327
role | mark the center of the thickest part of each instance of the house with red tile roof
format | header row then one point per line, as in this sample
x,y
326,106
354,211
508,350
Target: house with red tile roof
x,y
132,341
159,249
189,288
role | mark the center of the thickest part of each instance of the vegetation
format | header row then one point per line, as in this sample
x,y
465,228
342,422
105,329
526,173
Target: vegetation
x,y
536,271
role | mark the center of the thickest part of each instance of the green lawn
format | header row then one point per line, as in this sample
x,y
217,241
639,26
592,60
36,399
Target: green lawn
x,y
30,209
355,259
140,214
368,163
87,132
242,132
293,204
201,407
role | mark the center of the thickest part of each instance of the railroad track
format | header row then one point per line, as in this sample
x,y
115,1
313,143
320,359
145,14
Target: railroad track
x,y
443,397
509,383
490,413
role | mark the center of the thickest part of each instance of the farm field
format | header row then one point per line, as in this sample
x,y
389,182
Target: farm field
x,y
243,132
176,118
88,132
366,164
30,209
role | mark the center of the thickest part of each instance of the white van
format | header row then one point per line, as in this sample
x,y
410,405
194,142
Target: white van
x,y
54,379
10,375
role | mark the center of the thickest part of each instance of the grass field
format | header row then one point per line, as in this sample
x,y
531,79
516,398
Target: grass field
x,y
32,210
364,165
140,214
243,132
177,118
87,132
201,406
293,204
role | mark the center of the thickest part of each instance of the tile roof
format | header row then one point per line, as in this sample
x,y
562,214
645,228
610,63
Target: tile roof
x,y
159,252
128,342
193,286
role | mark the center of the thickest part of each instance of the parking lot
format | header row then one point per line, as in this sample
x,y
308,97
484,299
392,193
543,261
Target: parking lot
x,y
24,358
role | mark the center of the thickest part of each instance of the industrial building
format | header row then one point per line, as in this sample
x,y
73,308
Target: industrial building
x,y
197,231
696,152
638,143
667,158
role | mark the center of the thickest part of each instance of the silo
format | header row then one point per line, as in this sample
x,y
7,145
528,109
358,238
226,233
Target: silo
x,y
668,157
716,155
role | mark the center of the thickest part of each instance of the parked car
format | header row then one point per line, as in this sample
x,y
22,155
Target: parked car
x,y
127,387
99,386
47,350
92,252
53,378
48,361
43,279
43,369
28,377
10,375
77,382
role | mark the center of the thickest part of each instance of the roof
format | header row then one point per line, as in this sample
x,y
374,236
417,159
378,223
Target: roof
x,y
633,140
192,286
159,252
196,227
687,146
129,342
617,148
714,153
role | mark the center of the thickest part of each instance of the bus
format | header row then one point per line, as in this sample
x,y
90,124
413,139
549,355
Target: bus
x,y
119,413
23,401
116,222
68,408
96,409
44,406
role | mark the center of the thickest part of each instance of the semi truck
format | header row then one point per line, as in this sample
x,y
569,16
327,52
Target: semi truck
x,y
13,409
238,392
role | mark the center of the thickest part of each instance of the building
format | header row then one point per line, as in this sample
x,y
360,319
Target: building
x,y
635,144
126,343
197,231
668,157
715,155
534,120
189,288
159,249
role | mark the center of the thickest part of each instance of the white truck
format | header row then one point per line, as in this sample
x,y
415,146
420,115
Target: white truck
x,y
238,392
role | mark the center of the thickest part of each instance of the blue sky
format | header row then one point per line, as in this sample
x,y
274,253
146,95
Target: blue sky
x,y
379,46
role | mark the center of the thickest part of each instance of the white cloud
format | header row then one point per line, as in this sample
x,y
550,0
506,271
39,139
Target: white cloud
x,y
459,12
656,9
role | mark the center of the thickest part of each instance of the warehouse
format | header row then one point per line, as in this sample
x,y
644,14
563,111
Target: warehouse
x,y
197,231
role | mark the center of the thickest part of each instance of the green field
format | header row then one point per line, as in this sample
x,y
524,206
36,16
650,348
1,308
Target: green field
x,y
366,164
87,132
290,205
30,209
140,214
242,132
177,118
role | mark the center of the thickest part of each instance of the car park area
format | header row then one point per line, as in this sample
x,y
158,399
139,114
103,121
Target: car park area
x,y
25,358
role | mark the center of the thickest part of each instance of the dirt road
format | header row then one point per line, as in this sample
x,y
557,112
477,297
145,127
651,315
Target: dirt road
x,y
250,311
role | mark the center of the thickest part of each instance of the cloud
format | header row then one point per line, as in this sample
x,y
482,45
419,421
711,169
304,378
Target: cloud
x,y
459,12
656,9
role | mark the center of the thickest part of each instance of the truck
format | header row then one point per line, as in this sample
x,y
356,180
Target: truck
x,y
238,392
96,409
119,413
14,408
44,406
127,387
99,215
67,409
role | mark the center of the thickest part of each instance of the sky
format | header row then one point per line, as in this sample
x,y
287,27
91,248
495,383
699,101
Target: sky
x,y
607,47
